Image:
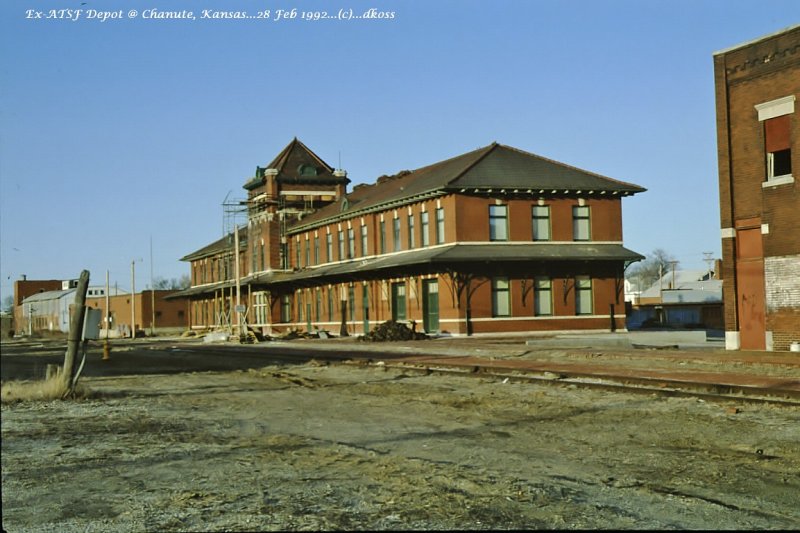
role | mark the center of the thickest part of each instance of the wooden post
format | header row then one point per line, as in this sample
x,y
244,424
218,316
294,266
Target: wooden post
x,y
75,329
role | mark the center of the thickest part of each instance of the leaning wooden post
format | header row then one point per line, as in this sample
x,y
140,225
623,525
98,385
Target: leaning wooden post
x,y
75,330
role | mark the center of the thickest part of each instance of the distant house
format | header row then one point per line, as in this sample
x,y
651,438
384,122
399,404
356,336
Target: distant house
x,y
680,299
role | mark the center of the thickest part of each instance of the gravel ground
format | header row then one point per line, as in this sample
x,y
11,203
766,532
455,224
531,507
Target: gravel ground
x,y
348,446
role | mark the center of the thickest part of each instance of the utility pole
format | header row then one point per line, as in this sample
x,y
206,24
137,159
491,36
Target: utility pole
x,y
238,288
106,345
673,264
708,258
152,292
133,299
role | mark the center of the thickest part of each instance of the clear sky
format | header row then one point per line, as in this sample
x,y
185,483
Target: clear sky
x,y
118,133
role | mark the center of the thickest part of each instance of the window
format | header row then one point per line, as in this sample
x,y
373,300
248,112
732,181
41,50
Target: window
x,y
424,237
351,243
318,306
777,137
382,240
285,255
580,223
351,302
501,297
776,118
260,307
396,231
399,301
286,308
583,295
308,252
541,222
316,249
330,304
411,232
297,254
329,246
341,245
498,223
263,256
364,250
301,305
439,225
542,297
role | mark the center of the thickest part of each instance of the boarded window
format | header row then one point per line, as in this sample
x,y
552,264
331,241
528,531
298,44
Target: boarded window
x,y
777,143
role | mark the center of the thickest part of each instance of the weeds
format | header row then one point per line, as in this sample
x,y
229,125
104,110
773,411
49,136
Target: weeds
x,y
52,388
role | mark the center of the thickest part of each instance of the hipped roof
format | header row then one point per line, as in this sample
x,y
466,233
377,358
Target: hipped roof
x,y
492,169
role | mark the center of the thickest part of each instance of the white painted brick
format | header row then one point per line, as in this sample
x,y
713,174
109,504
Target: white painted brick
x,y
782,280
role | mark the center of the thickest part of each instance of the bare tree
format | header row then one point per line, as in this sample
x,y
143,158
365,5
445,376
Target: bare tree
x,y
8,304
647,272
183,282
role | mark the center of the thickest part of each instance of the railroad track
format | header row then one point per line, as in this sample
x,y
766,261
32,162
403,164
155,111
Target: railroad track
x,y
625,384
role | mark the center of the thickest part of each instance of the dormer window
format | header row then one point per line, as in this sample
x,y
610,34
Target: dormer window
x,y
307,170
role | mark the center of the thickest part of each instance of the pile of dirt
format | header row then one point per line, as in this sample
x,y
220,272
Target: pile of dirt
x,y
393,331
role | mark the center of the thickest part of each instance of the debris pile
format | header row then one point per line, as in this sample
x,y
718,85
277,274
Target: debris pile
x,y
393,331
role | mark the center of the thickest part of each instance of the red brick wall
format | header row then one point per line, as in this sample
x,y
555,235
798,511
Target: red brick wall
x,y
756,73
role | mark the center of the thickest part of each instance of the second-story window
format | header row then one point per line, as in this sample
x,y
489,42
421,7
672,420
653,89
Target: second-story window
x,y
329,247
777,135
297,254
776,118
351,243
382,238
308,252
541,222
498,223
341,245
439,225
364,243
581,223
316,249
396,233
411,243
424,236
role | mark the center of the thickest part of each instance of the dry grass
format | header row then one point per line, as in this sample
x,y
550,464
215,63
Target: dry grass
x,y
52,388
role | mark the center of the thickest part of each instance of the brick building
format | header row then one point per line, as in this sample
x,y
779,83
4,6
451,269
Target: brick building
x,y
46,306
496,240
758,136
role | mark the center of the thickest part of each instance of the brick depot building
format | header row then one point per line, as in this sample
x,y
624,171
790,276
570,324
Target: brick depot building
x,y
758,135
496,240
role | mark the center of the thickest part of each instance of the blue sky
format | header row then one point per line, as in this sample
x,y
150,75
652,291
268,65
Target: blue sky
x,y
121,133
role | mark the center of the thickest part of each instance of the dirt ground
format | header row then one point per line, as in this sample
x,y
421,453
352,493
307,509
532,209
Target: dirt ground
x,y
320,446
